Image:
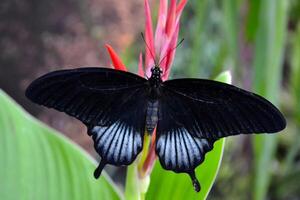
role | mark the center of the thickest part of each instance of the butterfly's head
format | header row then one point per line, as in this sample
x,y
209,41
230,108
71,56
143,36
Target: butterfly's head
x,y
156,72
155,78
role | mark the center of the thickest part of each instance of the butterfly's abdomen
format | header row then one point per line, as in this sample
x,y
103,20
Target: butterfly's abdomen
x,y
152,116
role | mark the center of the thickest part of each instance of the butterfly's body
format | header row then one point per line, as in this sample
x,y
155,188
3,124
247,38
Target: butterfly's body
x,y
189,114
154,84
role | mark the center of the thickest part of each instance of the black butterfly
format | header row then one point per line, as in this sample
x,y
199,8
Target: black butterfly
x,y
119,107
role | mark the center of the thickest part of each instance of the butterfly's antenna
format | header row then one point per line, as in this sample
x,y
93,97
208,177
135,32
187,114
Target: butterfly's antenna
x,y
143,37
179,43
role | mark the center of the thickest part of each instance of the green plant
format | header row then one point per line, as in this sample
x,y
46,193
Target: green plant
x,y
39,163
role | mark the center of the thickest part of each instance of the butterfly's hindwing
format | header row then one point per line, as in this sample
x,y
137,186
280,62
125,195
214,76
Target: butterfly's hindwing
x,y
117,144
120,142
179,151
176,147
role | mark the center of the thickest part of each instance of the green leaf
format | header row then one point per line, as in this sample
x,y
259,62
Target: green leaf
x,y
269,45
224,77
295,73
197,35
39,163
231,26
252,19
169,185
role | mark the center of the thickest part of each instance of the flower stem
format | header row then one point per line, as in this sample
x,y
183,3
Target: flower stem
x,y
132,183
137,181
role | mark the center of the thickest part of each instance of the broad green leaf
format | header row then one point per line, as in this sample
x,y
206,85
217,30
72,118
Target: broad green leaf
x,y
269,45
38,163
169,185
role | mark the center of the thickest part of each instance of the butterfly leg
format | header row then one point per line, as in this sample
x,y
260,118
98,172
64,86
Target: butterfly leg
x,y
99,169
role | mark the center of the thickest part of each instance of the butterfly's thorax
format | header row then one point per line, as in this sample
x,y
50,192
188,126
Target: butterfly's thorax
x,y
153,103
155,82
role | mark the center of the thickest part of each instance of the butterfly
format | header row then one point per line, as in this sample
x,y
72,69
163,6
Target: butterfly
x,y
189,115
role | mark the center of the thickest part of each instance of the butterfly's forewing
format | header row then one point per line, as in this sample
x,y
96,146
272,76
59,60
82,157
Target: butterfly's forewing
x,y
194,113
111,103
89,94
211,109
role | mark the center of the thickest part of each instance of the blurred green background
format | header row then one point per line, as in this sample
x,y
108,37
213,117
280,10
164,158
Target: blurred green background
x,y
257,40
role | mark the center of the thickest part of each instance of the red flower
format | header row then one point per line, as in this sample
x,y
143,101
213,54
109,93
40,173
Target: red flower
x,y
162,43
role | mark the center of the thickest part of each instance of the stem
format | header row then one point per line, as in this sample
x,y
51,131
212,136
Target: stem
x,y
136,185
132,191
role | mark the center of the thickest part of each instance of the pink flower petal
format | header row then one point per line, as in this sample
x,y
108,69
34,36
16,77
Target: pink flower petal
x,y
164,51
180,6
166,34
149,60
171,18
161,24
163,55
117,63
179,9
140,67
171,53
